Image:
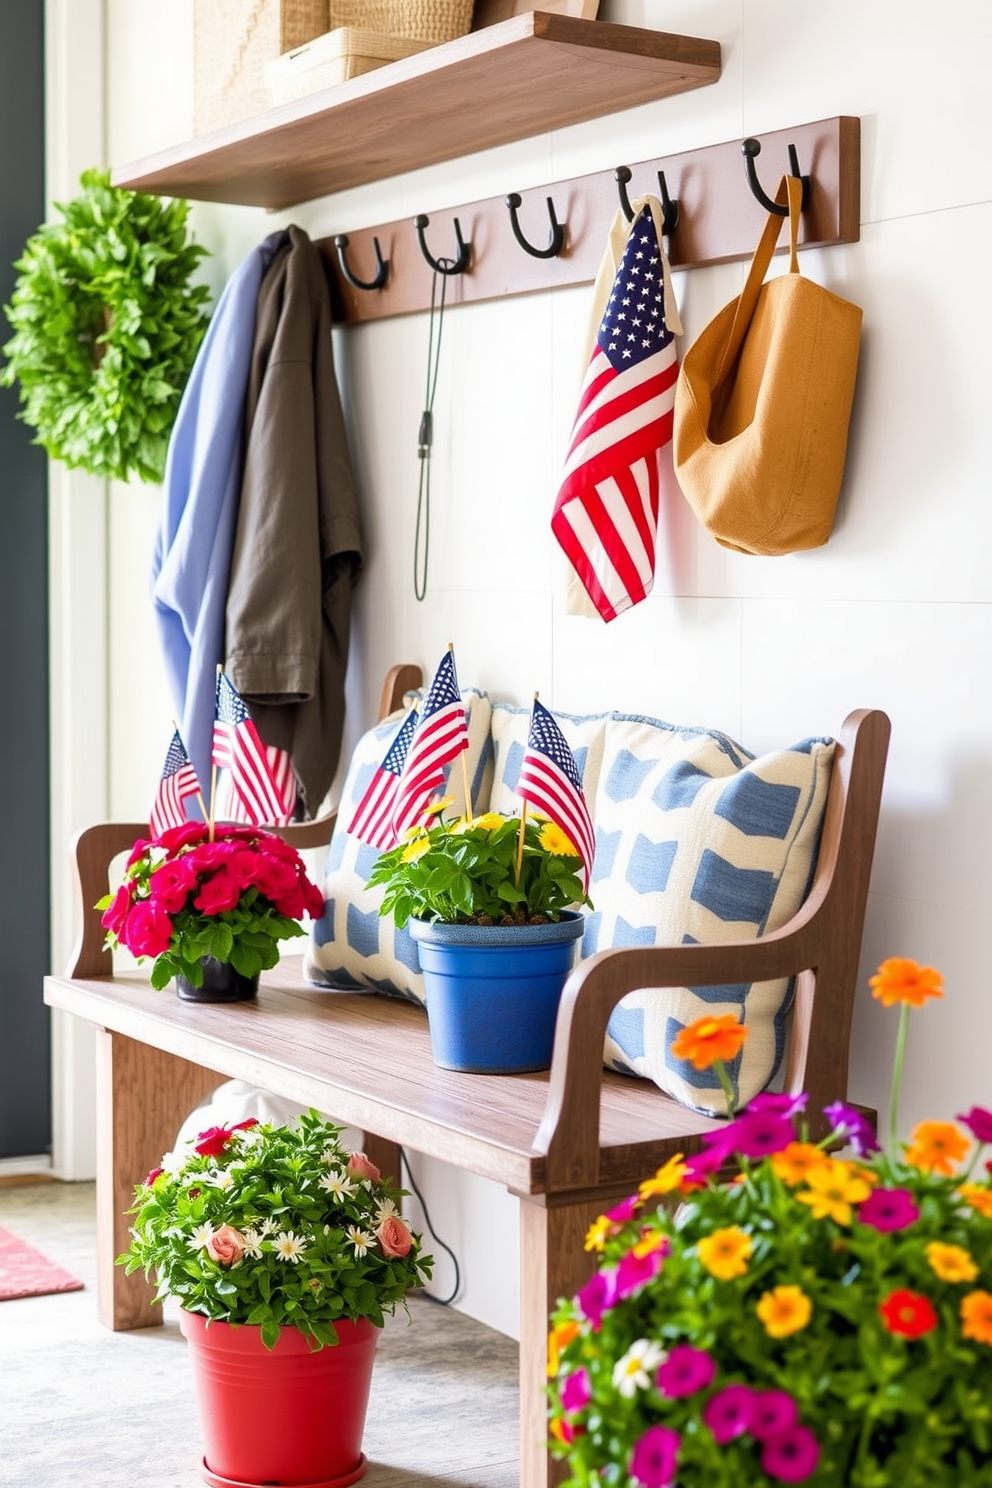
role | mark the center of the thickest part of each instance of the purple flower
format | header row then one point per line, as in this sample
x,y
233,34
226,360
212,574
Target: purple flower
x,y
685,1371
634,1271
728,1412
756,1134
979,1123
888,1209
772,1412
653,1459
848,1122
778,1102
597,1296
576,1392
792,1455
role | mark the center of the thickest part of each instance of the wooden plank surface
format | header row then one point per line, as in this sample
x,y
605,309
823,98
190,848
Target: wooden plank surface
x,y
529,74
366,1061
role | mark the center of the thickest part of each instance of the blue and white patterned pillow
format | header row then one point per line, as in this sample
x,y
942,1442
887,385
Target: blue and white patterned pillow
x,y
351,947
721,846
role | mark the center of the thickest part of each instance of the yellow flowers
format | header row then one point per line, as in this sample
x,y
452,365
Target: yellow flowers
x,y
598,1233
833,1186
936,1146
666,1180
795,1162
950,1262
488,821
556,842
709,1039
978,1197
784,1310
725,1252
416,849
901,980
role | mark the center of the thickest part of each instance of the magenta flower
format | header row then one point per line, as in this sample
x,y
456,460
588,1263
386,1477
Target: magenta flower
x,y
849,1123
979,1123
756,1134
635,1271
888,1209
576,1392
597,1296
625,1210
778,1102
728,1412
655,1454
772,1412
685,1371
701,1165
791,1456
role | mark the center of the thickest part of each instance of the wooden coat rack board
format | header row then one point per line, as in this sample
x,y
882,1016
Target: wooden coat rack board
x,y
719,220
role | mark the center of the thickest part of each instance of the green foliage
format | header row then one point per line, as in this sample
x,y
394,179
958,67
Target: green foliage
x,y
106,327
276,1227
465,873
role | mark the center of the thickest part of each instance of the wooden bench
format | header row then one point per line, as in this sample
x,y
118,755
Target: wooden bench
x,y
567,1143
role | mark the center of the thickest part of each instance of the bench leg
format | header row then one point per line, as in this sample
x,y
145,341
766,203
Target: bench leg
x,y
553,1264
143,1097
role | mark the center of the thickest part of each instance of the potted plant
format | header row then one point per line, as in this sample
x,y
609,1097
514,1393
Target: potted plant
x,y
490,901
209,906
285,1253
823,1316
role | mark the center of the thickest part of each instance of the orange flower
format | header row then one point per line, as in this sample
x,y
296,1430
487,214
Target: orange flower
x,y
794,1162
561,1335
833,1186
725,1252
950,1262
901,980
666,1180
979,1197
784,1310
709,1039
935,1146
976,1317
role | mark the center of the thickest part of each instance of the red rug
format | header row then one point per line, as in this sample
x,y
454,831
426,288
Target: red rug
x,y
25,1272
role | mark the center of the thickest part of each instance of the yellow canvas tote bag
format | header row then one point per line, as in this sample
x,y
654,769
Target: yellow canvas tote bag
x,y
763,402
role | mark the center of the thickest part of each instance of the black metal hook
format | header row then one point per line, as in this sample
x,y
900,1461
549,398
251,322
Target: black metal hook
x,y
669,207
556,241
381,265
444,265
751,148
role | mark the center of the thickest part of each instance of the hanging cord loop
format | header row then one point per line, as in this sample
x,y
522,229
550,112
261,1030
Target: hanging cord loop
x,y
425,437
430,1296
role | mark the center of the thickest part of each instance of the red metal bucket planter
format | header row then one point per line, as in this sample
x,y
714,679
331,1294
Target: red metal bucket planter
x,y
289,1417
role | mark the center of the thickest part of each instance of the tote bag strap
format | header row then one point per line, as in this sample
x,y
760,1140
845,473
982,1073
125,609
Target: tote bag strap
x,y
790,192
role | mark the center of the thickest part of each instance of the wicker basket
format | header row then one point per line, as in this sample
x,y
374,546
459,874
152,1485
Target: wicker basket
x,y
432,21
334,58
232,42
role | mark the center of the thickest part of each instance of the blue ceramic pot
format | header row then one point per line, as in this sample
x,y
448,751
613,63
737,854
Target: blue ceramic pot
x,y
493,991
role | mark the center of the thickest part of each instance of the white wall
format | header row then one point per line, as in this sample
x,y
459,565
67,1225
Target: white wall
x,y
895,612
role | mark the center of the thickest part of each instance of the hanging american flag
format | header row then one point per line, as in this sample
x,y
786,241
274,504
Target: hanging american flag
x,y
373,818
238,748
549,780
606,511
442,733
178,781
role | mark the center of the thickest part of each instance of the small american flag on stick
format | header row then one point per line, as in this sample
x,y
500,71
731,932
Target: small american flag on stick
x,y
178,781
238,748
549,781
373,818
442,734
606,511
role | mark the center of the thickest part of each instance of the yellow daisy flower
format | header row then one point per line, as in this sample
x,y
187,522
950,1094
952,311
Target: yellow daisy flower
x,y
725,1252
598,1233
784,1310
488,821
416,849
666,1180
950,1262
795,1162
833,1187
556,842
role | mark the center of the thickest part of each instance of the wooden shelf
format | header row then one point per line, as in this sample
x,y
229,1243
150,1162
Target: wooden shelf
x,y
523,77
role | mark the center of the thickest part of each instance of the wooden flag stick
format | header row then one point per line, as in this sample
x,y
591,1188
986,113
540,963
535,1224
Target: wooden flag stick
x,y
213,766
199,793
523,827
465,781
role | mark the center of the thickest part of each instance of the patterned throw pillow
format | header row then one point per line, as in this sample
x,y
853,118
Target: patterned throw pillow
x,y
719,846
351,947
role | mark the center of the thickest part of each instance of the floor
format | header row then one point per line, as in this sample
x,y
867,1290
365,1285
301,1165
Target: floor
x,y
86,1408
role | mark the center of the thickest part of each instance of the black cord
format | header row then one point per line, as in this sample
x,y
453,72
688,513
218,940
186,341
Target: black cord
x,y
425,438
429,1296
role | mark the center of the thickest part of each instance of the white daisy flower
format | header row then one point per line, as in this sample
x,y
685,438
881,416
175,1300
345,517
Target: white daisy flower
x,y
338,1185
631,1373
253,1244
220,1178
198,1239
172,1162
289,1247
385,1209
268,1226
359,1239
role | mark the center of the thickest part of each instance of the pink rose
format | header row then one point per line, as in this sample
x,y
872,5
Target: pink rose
x,y
148,929
176,837
114,917
277,881
315,901
244,867
137,851
219,892
210,855
360,1167
394,1237
170,884
226,1246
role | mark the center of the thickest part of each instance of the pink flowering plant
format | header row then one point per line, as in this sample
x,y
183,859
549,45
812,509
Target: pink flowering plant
x,y
275,1226
188,894
774,1309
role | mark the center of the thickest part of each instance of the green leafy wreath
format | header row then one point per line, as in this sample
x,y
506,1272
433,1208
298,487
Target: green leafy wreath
x,y
106,327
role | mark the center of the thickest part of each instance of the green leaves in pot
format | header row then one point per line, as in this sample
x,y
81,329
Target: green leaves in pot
x,y
107,323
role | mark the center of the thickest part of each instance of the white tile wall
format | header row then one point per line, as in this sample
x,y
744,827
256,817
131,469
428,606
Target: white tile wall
x,y
893,612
